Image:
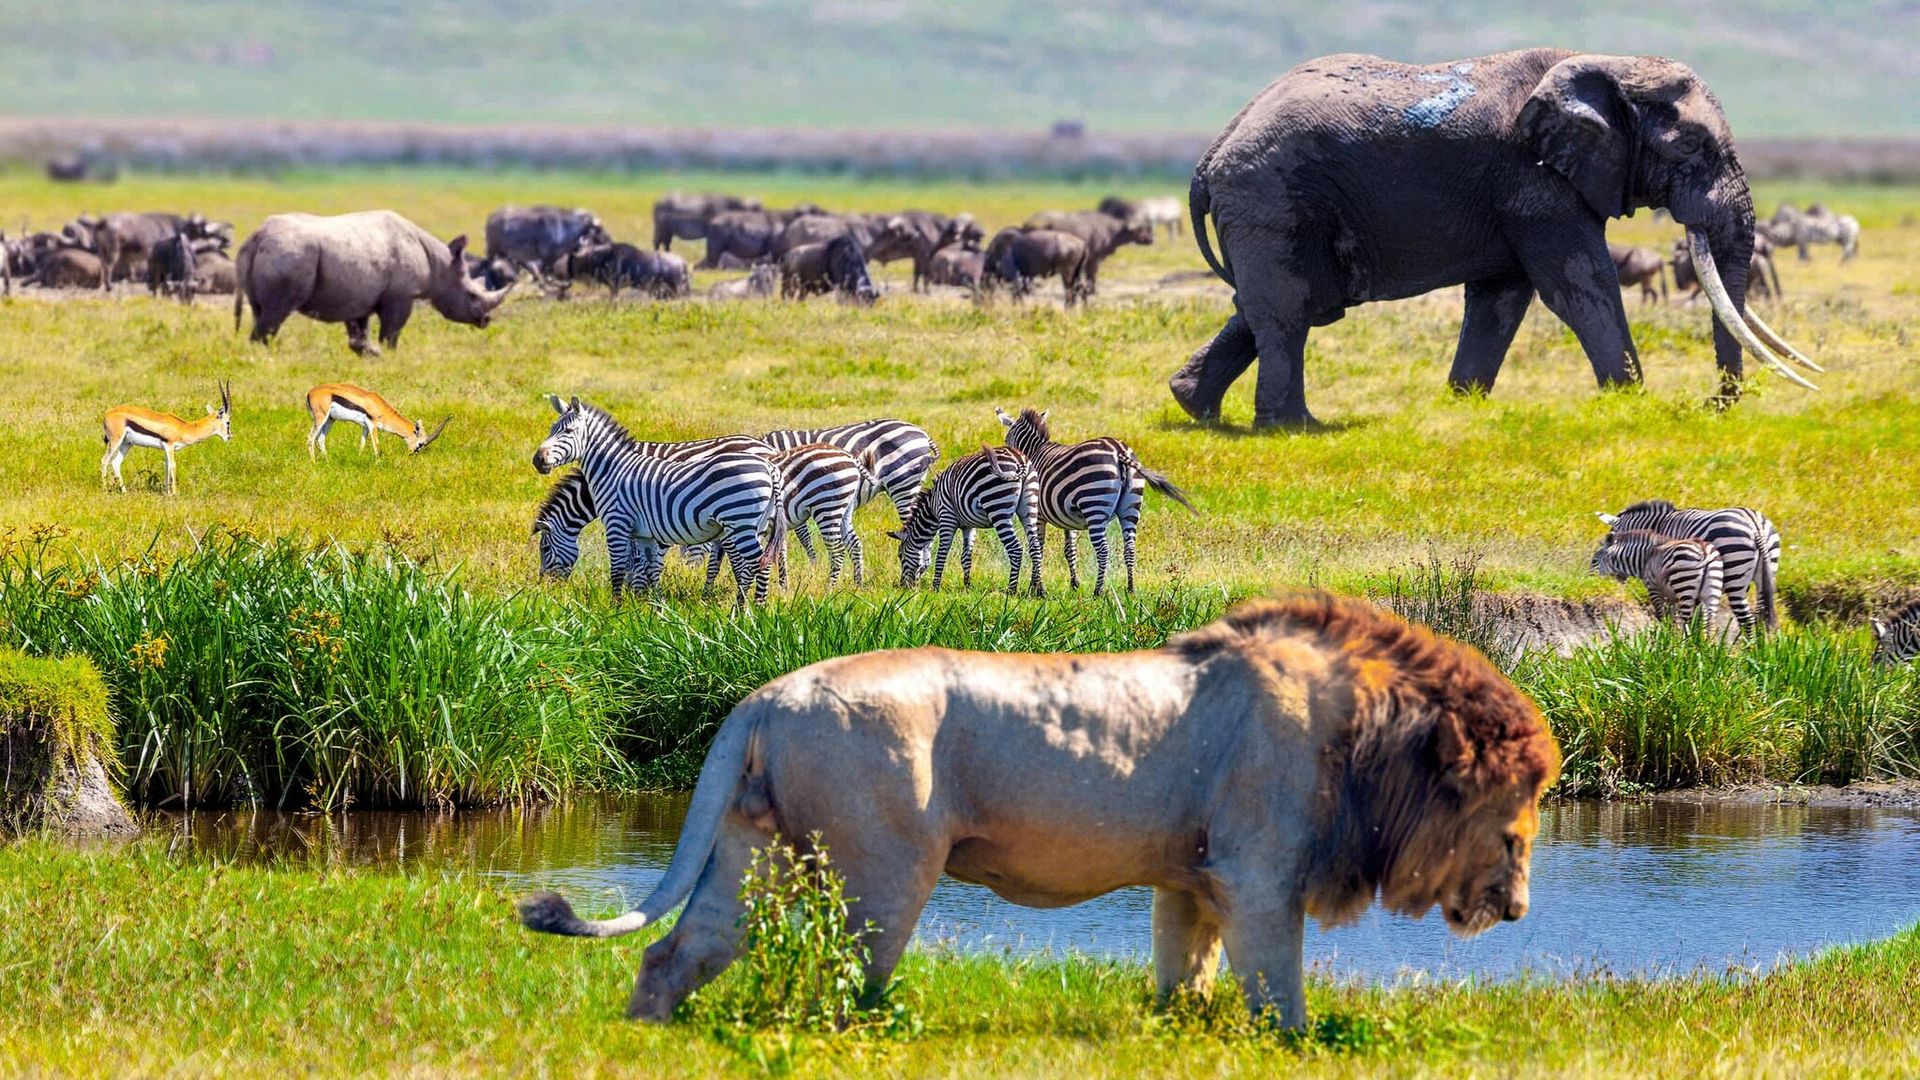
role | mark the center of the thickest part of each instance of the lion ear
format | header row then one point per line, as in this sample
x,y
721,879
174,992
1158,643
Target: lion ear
x,y
1451,745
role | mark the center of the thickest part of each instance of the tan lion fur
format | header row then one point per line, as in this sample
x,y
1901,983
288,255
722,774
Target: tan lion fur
x,y
1296,757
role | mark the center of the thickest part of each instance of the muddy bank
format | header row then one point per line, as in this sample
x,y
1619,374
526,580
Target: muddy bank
x,y
1901,794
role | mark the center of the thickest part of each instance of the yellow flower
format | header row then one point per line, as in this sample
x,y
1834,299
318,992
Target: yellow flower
x,y
151,654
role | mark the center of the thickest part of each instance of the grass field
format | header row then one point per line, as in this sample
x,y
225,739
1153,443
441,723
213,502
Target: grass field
x,y
1403,467
129,963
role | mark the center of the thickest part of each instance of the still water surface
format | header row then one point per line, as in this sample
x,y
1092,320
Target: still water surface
x,y
1642,888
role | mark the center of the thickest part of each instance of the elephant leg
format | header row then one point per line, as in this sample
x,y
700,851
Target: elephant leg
x,y
1280,394
1580,285
1495,308
1201,383
706,937
1186,945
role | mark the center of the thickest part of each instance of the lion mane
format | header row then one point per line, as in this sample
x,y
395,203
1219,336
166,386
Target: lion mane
x,y
1433,734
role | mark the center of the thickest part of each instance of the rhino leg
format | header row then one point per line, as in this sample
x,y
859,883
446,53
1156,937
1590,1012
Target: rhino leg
x,y
357,338
393,318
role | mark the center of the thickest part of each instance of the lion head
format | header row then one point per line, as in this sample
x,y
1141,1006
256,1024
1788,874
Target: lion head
x,y
1431,793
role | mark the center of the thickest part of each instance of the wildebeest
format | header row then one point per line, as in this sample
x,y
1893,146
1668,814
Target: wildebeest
x,y
536,237
820,228
1640,266
1018,257
956,264
213,272
660,274
685,217
749,235
171,267
351,267
73,168
125,240
758,284
838,265
911,234
493,273
1103,234
65,268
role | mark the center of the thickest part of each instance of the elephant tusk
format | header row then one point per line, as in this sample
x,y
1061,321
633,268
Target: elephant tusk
x,y
1730,315
1779,344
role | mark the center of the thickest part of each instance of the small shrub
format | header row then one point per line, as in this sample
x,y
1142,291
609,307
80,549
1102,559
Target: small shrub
x,y
801,965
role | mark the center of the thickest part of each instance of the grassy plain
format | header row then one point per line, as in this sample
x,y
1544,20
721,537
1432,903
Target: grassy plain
x,y
1403,467
130,963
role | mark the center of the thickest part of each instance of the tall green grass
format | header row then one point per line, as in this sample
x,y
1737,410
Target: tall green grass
x,y
268,671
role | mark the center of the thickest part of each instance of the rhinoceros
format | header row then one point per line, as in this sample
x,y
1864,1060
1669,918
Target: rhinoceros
x,y
352,267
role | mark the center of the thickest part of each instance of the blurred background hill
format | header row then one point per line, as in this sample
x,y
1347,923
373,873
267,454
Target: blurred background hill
x,y
1782,67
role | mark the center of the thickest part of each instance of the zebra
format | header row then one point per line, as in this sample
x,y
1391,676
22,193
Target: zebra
x,y
1680,574
998,488
1085,486
648,502
568,506
1896,638
1748,543
903,455
826,484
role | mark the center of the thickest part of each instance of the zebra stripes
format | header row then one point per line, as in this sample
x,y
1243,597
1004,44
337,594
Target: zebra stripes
x,y
650,502
903,453
1085,487
1748,543
1896,638
1681,575
996,488
825,484
568,506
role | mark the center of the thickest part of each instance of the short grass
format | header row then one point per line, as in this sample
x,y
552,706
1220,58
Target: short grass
x,y
1402,468
124,962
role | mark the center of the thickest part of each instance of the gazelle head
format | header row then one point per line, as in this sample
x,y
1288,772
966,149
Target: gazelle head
x,y
419,440
223,416
564,439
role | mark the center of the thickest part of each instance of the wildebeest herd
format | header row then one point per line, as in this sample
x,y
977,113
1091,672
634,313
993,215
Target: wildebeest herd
x,y
1790,227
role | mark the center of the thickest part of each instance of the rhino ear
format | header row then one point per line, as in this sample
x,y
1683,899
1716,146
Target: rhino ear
x,y
458,246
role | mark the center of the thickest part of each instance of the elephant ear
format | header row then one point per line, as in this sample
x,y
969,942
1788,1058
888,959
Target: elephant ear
x,y
1581,123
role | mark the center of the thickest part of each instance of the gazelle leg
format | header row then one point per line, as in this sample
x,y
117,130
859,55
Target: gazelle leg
x,y
168,451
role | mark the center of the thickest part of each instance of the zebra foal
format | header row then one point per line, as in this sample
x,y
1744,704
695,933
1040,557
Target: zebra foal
x,y
1682,576
996,488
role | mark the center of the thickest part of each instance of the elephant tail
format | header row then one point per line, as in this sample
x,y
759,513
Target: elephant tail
x,y
1199,204
729,777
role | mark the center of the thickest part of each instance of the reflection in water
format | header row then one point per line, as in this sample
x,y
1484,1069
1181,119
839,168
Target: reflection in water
x,y
1624,887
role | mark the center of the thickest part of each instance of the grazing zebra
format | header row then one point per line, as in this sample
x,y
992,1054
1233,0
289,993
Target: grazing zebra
x,y
1680,574
1748,543
1896,638
903,454
825,484
650,502
996,488
1085,486
568,505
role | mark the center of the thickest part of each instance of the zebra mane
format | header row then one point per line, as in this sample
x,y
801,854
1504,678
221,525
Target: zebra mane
x,y
622,438
1660,506
1907,612
558,492
1032,418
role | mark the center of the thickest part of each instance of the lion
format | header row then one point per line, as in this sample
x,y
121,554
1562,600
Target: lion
x,y
1297,757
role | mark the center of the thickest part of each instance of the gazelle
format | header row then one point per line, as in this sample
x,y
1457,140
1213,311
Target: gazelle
x,y
130,425
357,405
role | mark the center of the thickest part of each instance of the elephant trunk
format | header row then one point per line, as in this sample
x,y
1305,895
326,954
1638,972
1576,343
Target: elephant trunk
x,y
1720,225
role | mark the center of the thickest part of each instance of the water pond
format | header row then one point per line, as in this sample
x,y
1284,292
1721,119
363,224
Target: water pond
x,y
1632,888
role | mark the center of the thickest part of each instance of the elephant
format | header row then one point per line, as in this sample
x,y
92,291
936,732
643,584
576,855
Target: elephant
x,y
1353,178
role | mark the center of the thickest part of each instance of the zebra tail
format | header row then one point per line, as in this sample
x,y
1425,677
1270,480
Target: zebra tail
x,y
1767,599
1161,484
776,538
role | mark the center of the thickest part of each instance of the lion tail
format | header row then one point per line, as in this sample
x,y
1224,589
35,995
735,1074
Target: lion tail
x,y
713,797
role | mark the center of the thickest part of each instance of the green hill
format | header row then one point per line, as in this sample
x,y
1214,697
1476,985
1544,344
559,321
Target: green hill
x,y
1783,67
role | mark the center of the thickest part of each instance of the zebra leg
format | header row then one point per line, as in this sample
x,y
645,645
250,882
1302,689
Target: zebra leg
x,y
1036,547
855,549
1128,531
713,566
966,558
804,534
1010,538
649,560
940,555
744,551
1742,613
1097,537
1071,548
835,541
